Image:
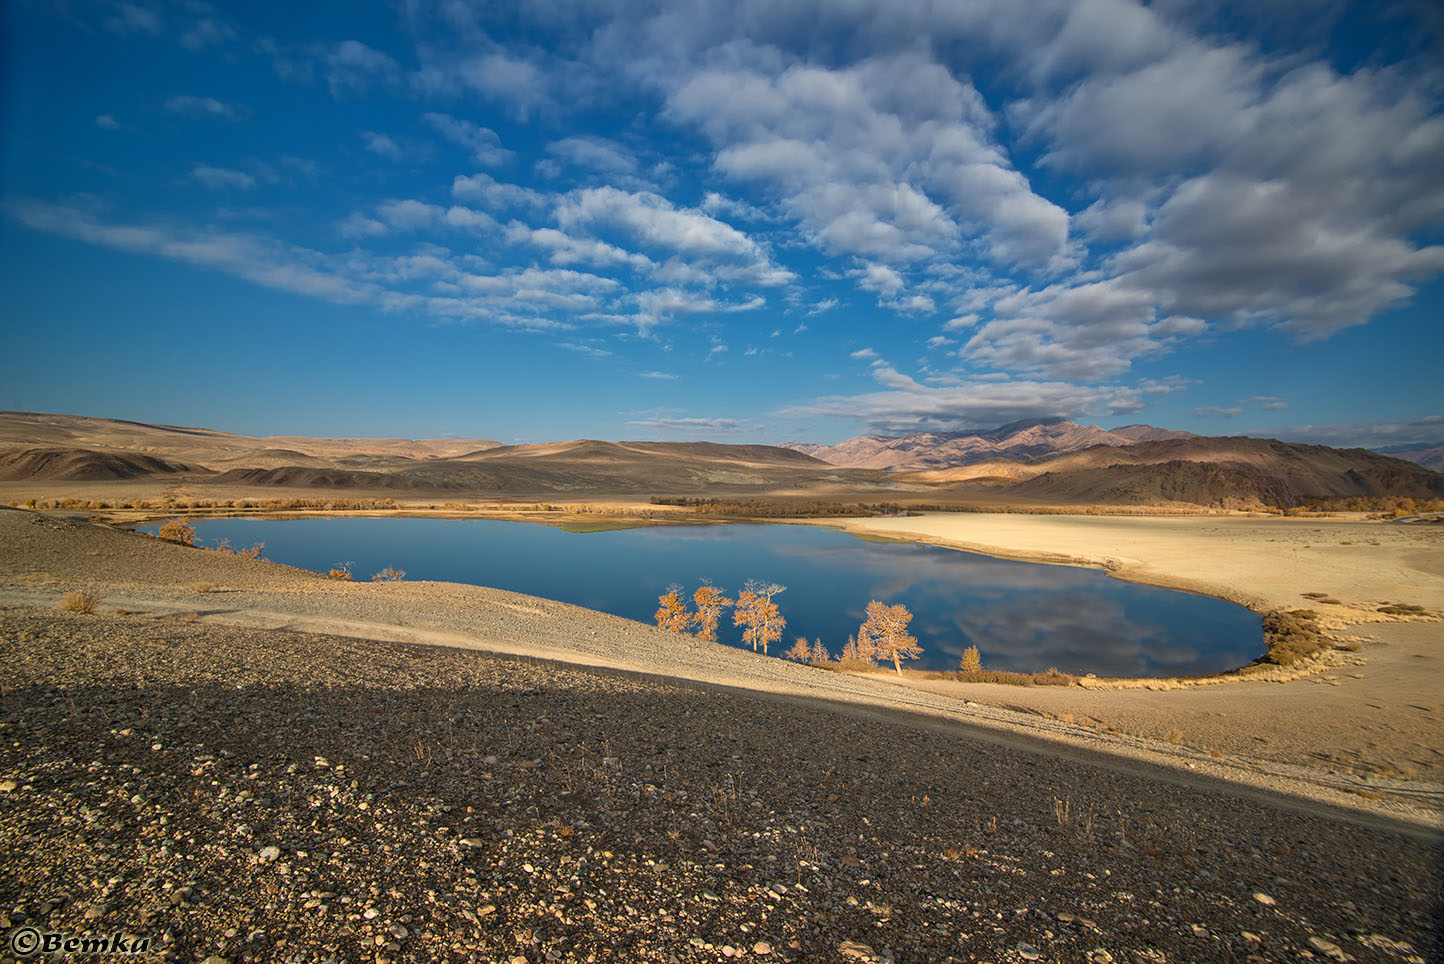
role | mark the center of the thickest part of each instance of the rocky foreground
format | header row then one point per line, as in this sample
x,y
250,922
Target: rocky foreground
x,y
259,795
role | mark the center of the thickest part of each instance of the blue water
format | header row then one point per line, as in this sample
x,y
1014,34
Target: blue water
x,y
1021,616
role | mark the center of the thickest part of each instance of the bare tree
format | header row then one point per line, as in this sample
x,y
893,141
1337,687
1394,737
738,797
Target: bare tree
x,y
885,631
710,603
759,614
672,614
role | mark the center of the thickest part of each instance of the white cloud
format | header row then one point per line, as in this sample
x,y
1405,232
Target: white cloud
x,y
207,32
133,18
566,249
904,405
585,349
659,376
864,353
351,67
892,159
482,142
597,153
191,106
694,425
380,145
221,178
655,222
1425,430
1207,411
485,189
106,122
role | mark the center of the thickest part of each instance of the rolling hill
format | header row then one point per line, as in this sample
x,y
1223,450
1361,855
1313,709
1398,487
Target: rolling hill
x,y
1203,471
1021,441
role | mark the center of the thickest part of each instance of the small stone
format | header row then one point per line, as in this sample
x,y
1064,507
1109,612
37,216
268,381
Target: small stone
x,y
486,911
1066,917
6,786
1199,930
1265,899
370,913
215,959
854,951
399,932
269,854
473,842
1028,952
1100,956
708,895
1252,938
728,950
762,948
1329,949
94,913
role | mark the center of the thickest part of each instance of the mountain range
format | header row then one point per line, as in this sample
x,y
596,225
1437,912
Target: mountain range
x,y
1024,441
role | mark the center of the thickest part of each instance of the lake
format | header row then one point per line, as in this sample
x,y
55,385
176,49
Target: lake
x,y
1021,616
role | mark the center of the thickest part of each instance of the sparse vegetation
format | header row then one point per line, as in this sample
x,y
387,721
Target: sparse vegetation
x,y
389,575
80,601
1291,636
177,531
1401,609
202,587
341,571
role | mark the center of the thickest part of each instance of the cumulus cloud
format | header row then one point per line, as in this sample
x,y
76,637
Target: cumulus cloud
x,y
482,142
596,153
487,190
655,222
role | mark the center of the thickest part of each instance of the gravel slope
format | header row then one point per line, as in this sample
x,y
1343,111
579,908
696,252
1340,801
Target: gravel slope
x,y
263,795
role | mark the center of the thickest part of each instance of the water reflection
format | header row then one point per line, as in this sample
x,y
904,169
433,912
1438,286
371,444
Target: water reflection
x,y
1021,616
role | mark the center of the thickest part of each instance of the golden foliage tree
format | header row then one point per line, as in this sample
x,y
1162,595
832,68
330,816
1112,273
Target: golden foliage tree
x,y
885,632
672,614
819,651
710,603
759,614
972,661
801,650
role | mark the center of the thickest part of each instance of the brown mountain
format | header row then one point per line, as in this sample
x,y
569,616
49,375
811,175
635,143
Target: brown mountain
x,y
1203,471
581,466
83,465
210,447
1023,441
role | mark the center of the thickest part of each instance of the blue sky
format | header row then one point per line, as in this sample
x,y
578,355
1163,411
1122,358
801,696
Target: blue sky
x,y
741,221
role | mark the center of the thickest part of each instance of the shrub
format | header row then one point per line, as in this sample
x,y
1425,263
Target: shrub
x,y
254,552
178,532
389,575
1291,636
80,601
342,571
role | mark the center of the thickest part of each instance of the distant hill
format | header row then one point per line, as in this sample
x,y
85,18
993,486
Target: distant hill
x,y
210,447
83,465
1430,455
580,466
1023,441
1203,471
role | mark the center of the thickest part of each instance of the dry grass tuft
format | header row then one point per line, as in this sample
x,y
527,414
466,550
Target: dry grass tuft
x,y
80,601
